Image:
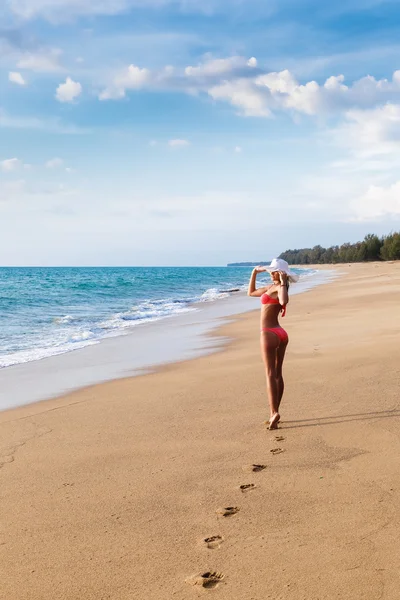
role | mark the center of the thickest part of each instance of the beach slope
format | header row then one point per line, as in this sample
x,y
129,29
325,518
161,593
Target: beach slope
x,y
111,492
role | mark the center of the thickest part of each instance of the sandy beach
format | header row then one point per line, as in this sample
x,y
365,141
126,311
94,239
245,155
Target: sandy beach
x,y
110,492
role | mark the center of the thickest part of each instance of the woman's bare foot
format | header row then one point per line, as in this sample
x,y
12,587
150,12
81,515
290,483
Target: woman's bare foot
x,y
274,420
269,420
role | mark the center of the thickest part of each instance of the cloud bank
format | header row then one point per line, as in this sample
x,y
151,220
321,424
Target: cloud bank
x,y
241,83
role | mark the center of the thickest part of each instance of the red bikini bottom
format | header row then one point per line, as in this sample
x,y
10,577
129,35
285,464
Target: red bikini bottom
x,y
278,331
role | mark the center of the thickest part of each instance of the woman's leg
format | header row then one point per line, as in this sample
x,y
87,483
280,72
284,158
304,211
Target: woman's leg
x,y
269,347
280,355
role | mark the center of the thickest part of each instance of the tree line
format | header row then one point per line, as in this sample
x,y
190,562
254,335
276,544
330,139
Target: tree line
x,y
371,248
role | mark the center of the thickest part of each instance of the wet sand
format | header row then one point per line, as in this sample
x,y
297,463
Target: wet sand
x,y
110,492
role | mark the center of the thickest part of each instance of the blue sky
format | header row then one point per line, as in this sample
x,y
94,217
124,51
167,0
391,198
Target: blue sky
x,y
139,132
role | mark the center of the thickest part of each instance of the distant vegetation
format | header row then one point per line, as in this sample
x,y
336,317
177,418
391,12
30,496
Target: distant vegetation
x,y
371,248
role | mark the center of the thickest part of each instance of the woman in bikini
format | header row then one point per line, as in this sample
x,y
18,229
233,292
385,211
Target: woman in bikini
x,y
274,339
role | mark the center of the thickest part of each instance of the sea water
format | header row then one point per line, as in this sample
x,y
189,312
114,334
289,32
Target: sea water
x,y
49,311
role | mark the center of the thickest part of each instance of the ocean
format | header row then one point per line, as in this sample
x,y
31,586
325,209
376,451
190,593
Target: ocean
x,y
49,311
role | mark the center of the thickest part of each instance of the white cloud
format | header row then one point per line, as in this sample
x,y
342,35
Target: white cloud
x,y
219,66
238,149
254,93
112,94
14,164
190,79
11,164
68,91
54,163
377,203
16,77
133,78
280,91
178,143
274,91
369,142
371,132
243,95
42,62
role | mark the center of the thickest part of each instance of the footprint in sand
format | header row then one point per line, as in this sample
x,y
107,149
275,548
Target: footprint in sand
x,y
276,451
209,579
213,541
228,511
279,438
254,468
246,487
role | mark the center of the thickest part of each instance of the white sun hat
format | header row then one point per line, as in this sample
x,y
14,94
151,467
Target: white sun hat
x,y
278,264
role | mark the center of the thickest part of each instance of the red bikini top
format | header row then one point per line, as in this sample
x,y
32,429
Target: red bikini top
x,y
266,299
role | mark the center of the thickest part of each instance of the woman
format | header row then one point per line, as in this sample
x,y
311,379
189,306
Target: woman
x,y
274,339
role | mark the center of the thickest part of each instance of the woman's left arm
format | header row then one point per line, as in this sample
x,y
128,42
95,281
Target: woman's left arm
x,y
283,295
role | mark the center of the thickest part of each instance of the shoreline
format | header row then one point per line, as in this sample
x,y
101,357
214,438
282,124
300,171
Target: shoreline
x,y
136,352
112,490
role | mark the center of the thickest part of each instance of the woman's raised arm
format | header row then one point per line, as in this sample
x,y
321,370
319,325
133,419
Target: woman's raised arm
x,y
252,290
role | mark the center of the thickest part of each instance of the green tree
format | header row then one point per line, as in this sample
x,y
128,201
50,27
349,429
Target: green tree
x,y
372,247
391,247
316,254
